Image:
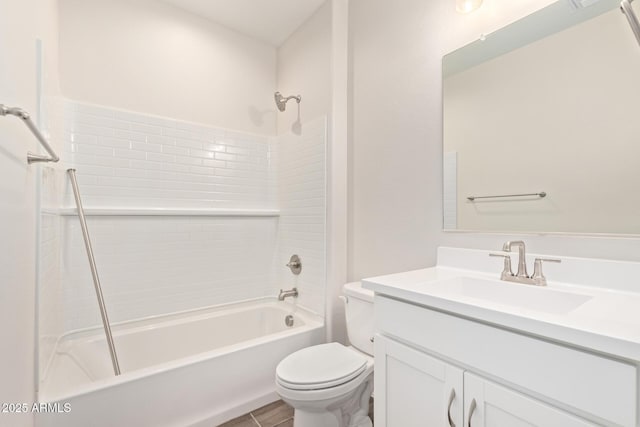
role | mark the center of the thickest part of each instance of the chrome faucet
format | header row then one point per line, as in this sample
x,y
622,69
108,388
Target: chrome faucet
x,y
522,276
290,293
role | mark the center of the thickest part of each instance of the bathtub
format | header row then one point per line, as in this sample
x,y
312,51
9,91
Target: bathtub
x,y
197,368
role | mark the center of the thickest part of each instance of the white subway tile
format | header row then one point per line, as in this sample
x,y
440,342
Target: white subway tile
x,y
157,157
188,160
130,135
79,138
168,149
175,133
214,163
130,154
143,146
201,170
92,130
189,143
114,142
146,129
165,140
201,153
157,265
144,164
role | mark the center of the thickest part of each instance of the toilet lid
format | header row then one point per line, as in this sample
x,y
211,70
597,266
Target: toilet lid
x,y
320,366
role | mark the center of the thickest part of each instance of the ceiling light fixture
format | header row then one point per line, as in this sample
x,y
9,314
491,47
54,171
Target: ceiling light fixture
x,y
466,6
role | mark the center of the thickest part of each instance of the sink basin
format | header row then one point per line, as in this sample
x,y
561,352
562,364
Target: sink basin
x,y
542,299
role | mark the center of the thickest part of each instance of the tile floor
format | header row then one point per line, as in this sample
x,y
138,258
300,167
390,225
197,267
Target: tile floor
x,y
276,414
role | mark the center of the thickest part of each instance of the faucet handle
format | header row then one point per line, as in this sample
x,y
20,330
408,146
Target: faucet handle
x,y
295,264
538,277
506,270
500,254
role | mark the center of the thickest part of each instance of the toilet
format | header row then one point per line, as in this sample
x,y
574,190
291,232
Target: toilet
x,y
329,385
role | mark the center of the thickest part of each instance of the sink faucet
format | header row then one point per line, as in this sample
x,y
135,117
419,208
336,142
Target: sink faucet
x,y
522,260
522,276
290,293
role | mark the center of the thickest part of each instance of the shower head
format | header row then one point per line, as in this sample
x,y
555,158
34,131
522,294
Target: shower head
x,y
281,101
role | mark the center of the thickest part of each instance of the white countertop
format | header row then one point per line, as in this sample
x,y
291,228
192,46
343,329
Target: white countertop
x,y
608,322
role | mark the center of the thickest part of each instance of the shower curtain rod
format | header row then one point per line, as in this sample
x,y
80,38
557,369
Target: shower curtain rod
x,y
26,118
94,273
625,7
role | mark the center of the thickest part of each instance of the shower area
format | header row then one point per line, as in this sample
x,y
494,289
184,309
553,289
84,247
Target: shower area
x,y
200,147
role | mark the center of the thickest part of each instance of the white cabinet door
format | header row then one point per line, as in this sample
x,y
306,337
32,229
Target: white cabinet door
x,y
413,389
487,404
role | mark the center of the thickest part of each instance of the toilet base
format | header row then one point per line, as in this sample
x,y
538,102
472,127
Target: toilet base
x,y
350,410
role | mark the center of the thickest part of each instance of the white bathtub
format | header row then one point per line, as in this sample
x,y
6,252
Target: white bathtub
x,y
199,368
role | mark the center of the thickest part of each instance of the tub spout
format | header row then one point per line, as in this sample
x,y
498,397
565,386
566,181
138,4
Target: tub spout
x,y
290,293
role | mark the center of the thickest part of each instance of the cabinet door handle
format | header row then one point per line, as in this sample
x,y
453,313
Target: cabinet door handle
x,y
451,397
472,408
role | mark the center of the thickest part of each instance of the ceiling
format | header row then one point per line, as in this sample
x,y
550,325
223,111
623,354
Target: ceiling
x,y
272,21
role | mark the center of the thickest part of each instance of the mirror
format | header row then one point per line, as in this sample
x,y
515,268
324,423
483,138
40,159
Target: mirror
x,y
547,108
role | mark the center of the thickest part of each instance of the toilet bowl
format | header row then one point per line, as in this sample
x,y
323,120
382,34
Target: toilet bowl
x,y
329,385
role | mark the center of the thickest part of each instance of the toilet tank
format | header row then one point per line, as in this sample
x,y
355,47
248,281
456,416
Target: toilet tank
x,y
358,308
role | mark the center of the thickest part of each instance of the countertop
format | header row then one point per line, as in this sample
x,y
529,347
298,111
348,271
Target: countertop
x,y
607,323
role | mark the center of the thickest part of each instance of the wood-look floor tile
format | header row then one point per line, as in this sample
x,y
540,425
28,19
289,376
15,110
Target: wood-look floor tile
x,y
286,423
243,421
273,414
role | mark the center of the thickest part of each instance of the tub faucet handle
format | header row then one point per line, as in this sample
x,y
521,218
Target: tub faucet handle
x,y
295,264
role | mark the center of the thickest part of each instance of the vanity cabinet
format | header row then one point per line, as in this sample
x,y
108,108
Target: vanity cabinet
x,y
416,389
438,369
497,406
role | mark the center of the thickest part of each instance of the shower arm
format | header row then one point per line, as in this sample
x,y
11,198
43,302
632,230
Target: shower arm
x,y
298,98
625,7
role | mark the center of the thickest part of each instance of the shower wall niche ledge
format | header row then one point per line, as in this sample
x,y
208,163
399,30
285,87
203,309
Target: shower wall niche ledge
x,y
89,211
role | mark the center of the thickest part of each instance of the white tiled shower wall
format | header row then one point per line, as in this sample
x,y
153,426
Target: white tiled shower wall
x,y
152,265
129,159
302,196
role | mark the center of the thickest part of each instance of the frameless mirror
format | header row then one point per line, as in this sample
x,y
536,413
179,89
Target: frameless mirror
x,y
542,126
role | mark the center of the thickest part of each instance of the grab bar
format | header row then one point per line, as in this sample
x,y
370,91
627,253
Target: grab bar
x,y
26,118
540,194
625,7
94,272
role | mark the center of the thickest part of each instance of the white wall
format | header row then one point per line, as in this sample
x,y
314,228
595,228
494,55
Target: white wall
x,y
20,25
394,187
304,68
154,58
555,135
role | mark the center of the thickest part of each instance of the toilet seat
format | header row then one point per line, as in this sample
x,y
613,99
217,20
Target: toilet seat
x,y
320,367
